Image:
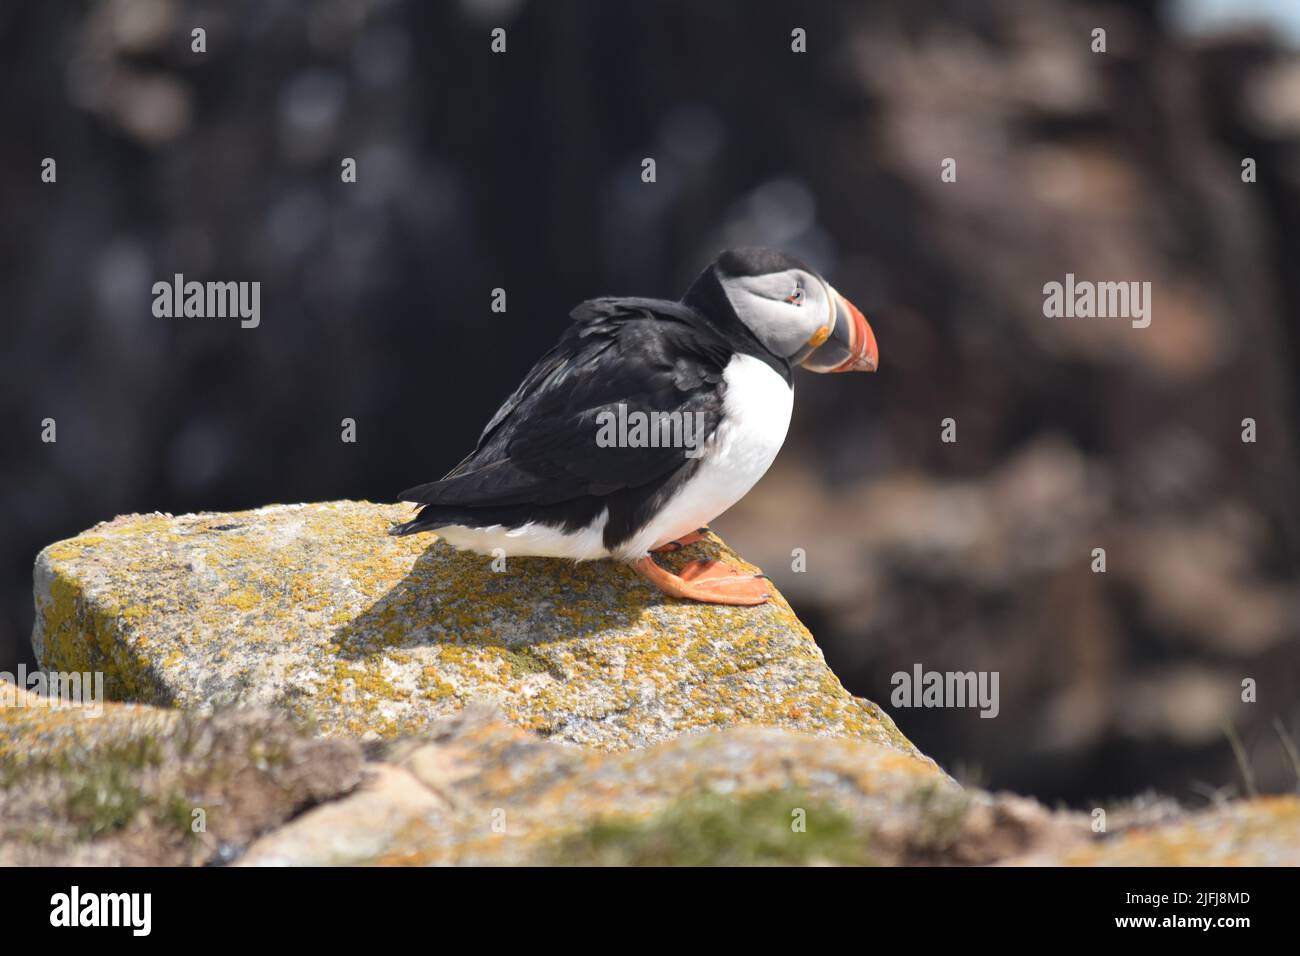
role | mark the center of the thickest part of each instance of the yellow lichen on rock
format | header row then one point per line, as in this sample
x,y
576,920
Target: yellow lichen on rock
x,y
1264,831
117,784
479,791
124,784
36,731
315,610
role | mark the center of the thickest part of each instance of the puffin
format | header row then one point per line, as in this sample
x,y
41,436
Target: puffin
x,y
646,421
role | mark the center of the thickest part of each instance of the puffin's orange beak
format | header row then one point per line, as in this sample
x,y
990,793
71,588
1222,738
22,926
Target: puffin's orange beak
x,y
850,346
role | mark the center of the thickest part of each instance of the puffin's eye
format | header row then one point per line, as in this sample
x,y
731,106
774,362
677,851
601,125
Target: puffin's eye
x,y
796,297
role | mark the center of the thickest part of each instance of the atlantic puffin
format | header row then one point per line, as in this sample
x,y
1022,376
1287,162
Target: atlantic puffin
x,y
562,470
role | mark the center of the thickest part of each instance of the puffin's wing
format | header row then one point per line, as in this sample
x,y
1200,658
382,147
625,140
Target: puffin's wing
x,y
541,446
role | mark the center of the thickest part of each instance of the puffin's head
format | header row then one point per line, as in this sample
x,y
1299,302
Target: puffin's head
x,y
794,312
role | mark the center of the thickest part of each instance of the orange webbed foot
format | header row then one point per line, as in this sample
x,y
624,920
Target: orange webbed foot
x,y
708,581
684,541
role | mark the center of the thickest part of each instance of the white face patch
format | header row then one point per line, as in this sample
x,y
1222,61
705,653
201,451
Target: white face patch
x,y
784,310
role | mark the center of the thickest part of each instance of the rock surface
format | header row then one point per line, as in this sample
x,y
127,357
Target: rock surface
x,y
411,706
480,791
1264,831
123,787
127,784
314,611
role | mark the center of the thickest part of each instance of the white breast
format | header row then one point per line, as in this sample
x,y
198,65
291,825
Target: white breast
x,y
755,418
532,540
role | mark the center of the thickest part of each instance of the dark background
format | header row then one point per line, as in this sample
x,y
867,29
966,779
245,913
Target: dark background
x,y
522,171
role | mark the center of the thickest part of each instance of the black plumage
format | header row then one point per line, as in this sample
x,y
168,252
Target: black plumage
x,y
538,460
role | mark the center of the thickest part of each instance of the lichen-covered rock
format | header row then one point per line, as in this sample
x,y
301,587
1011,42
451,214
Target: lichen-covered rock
x,y
480,791
132,784
127,784
1264,831
314,610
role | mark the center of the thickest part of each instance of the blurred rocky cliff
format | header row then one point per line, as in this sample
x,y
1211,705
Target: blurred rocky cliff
x,y
522,171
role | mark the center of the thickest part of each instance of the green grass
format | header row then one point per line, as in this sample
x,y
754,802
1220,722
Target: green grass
x,y
712,830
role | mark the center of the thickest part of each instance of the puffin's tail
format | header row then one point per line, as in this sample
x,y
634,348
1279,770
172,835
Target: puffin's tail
x,y
409,527
431,517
